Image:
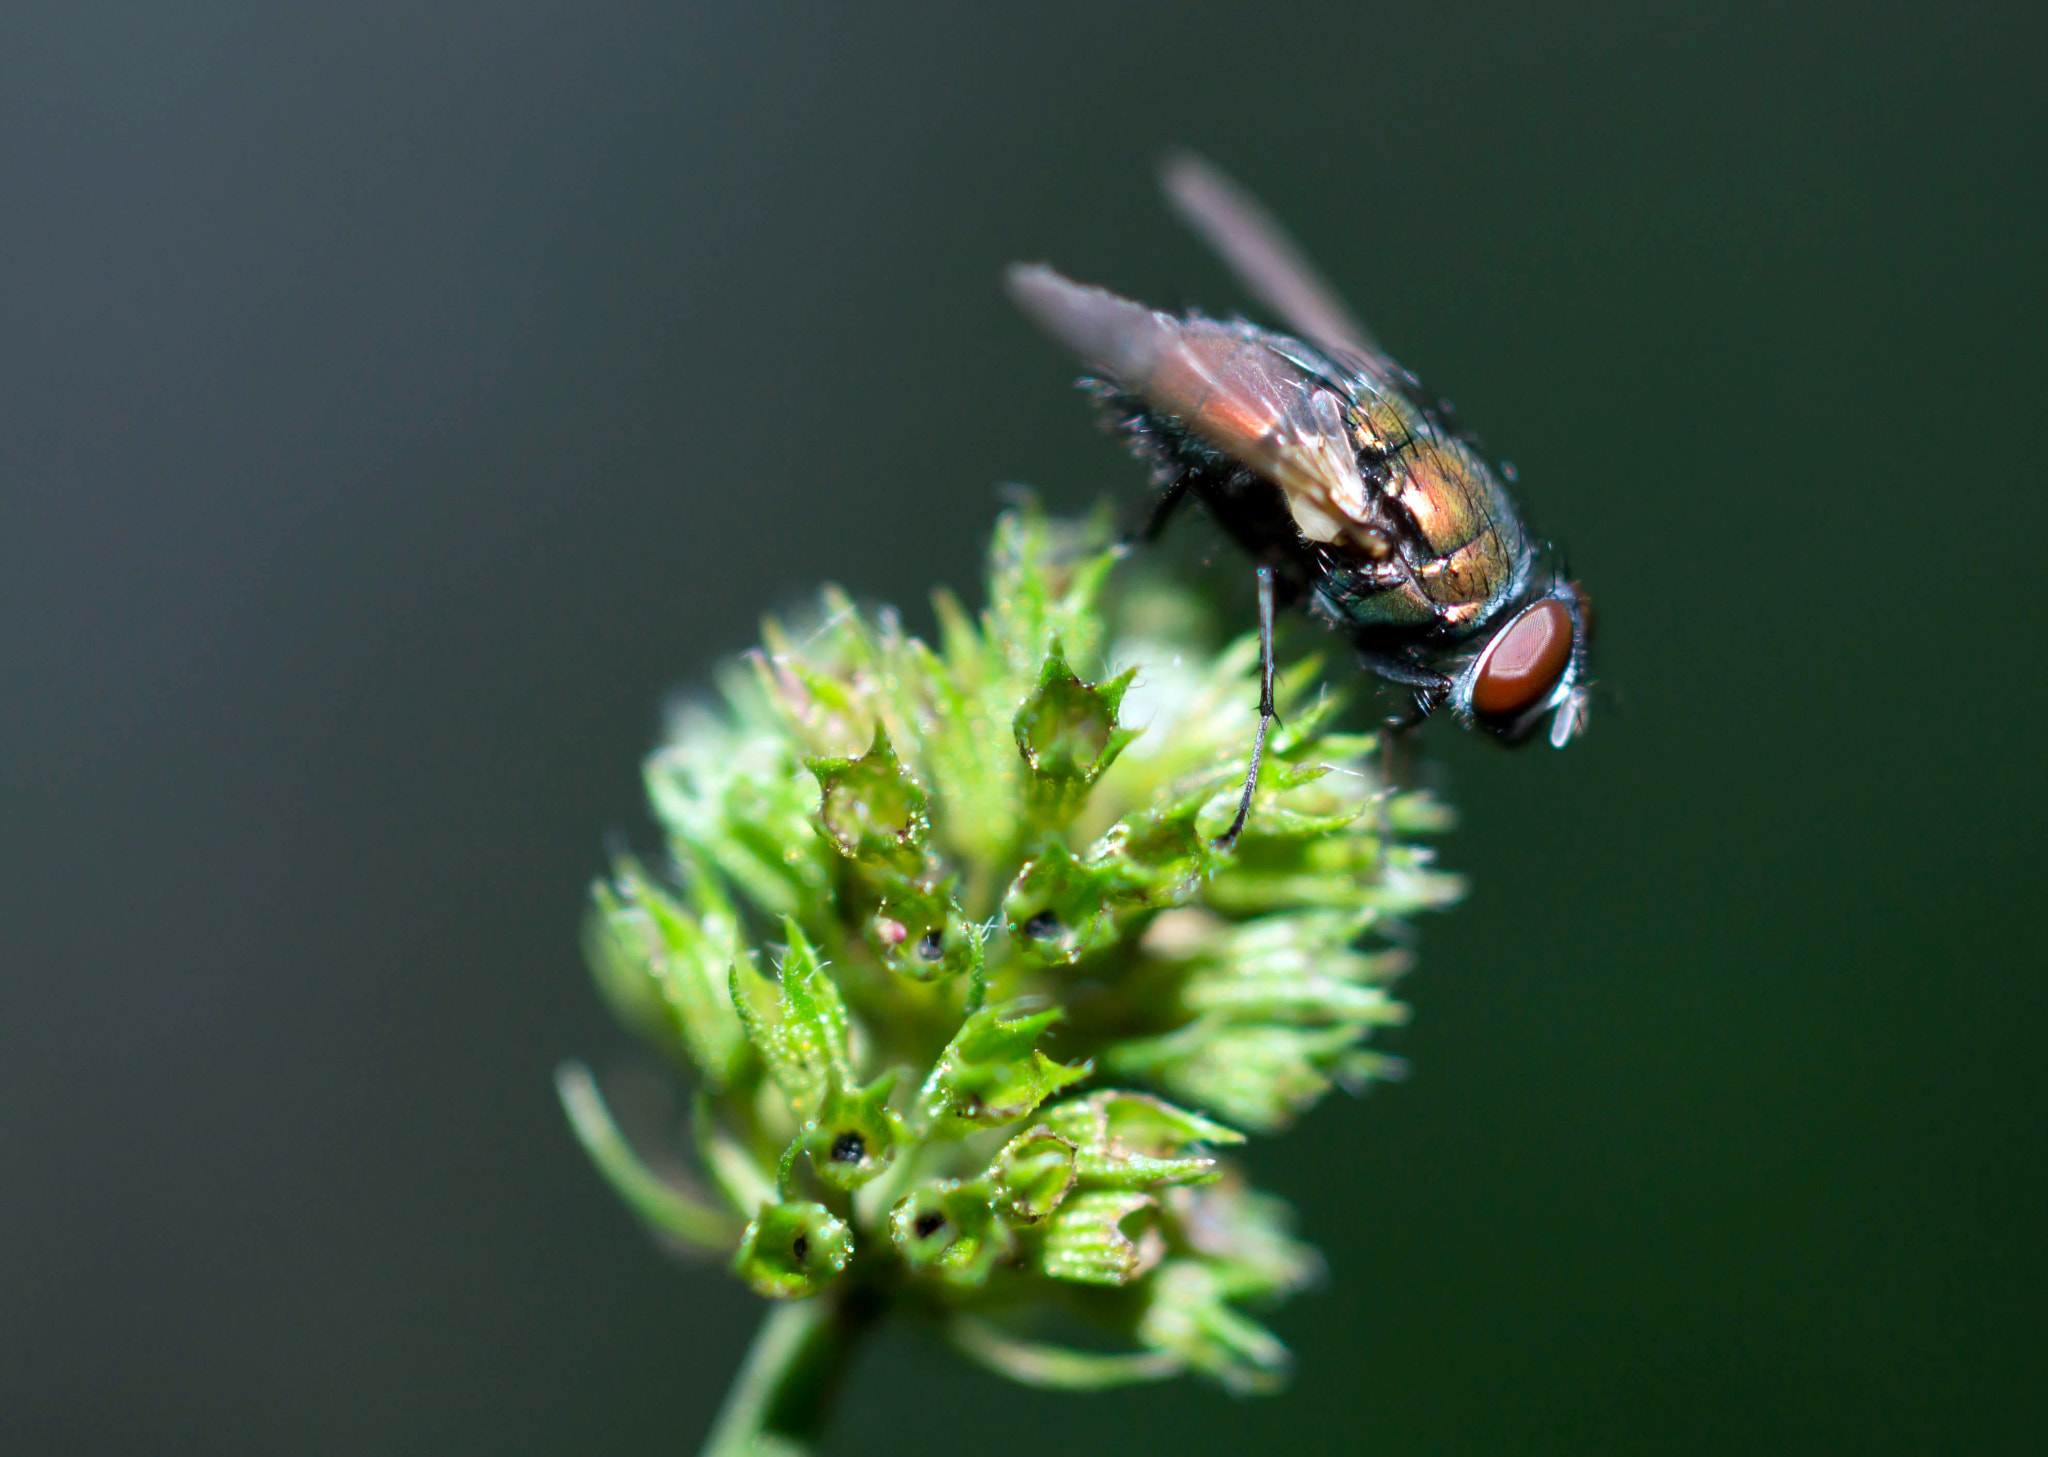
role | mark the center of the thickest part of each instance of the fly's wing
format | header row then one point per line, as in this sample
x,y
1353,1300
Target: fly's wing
x,y
1221,382
1269,264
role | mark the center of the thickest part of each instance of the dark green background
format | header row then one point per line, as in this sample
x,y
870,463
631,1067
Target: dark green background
x,y
400,399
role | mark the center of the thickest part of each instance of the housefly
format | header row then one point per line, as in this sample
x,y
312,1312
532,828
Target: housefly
x,y
1355,493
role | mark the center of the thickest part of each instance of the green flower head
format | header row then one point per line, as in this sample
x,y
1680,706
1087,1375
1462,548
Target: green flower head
x,y
971,1000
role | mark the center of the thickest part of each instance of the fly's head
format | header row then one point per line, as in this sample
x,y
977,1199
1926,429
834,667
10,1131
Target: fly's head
x,y
1532,668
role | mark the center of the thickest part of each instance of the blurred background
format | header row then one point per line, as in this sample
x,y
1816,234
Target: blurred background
x,y
399,402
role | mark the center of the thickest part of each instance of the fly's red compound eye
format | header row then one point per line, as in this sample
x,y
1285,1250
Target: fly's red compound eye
x,y
1524,661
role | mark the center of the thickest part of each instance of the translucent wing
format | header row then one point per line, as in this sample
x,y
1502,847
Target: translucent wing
x,y
1221,382
1269,264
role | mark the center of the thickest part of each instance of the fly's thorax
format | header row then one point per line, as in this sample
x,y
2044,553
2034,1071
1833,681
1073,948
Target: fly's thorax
x,y
1459,537
1440,490
1357,600
1382,422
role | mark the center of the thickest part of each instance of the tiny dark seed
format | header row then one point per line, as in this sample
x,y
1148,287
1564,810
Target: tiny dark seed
x,y
849,1148
801,1249
1043,926
927,1225
930,946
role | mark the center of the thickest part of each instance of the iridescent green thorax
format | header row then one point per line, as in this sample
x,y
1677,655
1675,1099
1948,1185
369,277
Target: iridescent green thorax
x,y
1456,532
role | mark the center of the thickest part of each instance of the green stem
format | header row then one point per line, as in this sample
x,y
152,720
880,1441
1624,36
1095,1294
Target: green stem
x,y
779,1400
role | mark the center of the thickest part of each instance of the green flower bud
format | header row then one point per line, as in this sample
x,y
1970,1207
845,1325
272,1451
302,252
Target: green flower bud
x,y
793,1249
739,804
921,933
1059,1368
1067,734
1161,857
1103,1238
951,1229
990,1074
871,810
1302,998
1032,1174
1058,910
856,1135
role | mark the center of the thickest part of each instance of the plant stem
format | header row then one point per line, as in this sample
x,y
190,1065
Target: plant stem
x,y
779,1400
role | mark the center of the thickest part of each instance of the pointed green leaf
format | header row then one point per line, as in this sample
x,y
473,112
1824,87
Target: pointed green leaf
x,y
737,800
816,705
1416,813
1301,998
1299,944
739,1176
671,963
622,959
813,1014
1244,1238
1067,735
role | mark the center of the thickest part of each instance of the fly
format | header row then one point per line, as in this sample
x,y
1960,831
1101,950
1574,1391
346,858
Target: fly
x,y
1354,492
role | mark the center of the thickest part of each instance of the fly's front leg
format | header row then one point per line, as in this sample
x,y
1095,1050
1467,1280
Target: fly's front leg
x,y
1428,687
1251,780
1427,692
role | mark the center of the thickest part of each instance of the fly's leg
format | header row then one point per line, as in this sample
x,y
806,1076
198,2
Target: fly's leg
x,y
1397,730
1251,780
1428,690
1162,510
